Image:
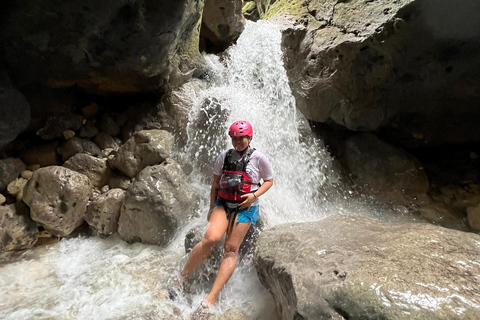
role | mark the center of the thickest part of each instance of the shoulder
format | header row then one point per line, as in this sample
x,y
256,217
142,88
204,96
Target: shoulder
x,y
258,154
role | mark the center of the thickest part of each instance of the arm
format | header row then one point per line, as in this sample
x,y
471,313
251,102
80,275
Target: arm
x,y
251,197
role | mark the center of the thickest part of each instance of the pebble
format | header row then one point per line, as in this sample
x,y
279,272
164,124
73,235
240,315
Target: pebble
x,y
2,199
27,174
33,167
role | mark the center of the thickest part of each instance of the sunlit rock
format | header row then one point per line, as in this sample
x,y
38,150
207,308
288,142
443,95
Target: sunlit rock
x,y
103,212
76,145
96,169
222,23
146,148
14,111
356,268
10,169
17,230
57,198
159,201
389,172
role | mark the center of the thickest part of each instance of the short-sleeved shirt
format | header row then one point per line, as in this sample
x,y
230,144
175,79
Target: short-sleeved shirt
x,y
258,168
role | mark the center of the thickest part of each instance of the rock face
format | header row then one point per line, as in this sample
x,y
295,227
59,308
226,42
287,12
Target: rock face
x,y
57,198
222,22
356,268
14,110
158,202
147,147
103,212
382,64
17,230
10,169
389,172
97,170
110,46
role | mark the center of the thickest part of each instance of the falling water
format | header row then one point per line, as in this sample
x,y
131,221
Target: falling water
x,y
91,278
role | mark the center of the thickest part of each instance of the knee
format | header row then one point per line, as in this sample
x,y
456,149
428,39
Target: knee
x,y
211,240
230,250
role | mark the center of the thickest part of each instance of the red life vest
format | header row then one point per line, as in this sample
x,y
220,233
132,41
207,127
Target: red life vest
x,y
234,181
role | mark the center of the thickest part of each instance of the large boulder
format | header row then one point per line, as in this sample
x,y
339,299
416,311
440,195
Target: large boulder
x,y
159,201
409,67
103,212
17,230
10,169
57,198
96,169
14,111
109,46
146,148
388,172
222,23
356,268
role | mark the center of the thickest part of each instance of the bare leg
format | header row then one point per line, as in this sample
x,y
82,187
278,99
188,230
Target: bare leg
x,y
216,230
232,244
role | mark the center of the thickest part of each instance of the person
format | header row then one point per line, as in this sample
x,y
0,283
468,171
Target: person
x,y
234,205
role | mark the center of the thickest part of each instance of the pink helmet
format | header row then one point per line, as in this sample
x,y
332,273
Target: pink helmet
x,y
240,128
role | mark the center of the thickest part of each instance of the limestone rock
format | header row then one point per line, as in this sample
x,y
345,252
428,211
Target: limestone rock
x,y
27,174
76,145
2,199
356,268
14,111
57,198
389,172
103,212
16,186
43,155
119,181
147,147
17,230
222,22
159,201
10,169
133,46
105,141
97,170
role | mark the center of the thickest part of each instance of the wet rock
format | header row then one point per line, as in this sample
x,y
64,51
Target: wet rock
x,y
356,268
43,155
76,145
14,110
10,169
17,230
56,125
147,147
120,181
159,201
250,11
443,215
105,141
473,214
389,172
103,212
96,169
57,198
105,47
222,23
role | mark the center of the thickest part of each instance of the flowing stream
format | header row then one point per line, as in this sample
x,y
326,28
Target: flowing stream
x,y
93,278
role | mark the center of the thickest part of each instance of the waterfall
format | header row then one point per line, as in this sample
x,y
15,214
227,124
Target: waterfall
x,y
92,278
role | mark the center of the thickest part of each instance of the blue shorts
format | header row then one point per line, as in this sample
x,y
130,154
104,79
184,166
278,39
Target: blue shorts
x,y
244,215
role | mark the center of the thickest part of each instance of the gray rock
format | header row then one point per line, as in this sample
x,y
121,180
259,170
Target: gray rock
x,y
57,198
105,141
159,201
14,110
56,125
103,212
97,170
10,169
146,148
222,22
89,130
134,46
109,126
391,173
17,230
76,145
119,181
356,268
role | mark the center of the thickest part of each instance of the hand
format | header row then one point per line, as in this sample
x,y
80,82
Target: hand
x,y
249,199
